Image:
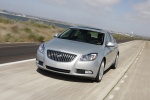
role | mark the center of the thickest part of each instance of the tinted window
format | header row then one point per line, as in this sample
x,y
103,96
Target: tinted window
x,y
83,36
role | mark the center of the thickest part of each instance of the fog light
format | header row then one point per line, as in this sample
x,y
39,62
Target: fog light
x,y
37,61
88,72
82,71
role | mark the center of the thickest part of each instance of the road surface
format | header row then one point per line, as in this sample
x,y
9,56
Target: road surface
x,y
22,81
135,84
15,52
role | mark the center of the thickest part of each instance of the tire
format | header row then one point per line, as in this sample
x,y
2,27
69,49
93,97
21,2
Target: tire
x,y
100,72
114,66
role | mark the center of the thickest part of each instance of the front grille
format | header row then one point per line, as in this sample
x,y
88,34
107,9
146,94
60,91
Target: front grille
x,y
60,56
58,70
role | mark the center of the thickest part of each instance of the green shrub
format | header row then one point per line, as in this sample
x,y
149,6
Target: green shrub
x,y
40,38
8,37
37,24
35,37
15,29
29,22
32,37
5,20
27,30
121,37
53,26
41,25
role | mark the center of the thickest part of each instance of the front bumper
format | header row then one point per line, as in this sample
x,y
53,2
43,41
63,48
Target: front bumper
x,y
76,67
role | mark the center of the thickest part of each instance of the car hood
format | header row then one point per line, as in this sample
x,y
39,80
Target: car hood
x,y
74,47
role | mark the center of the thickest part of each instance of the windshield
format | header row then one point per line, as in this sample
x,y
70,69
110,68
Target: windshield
x,y
81,35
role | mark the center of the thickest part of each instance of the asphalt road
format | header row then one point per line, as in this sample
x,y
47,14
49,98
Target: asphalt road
x,y
21,51
17,52
23,81
135,84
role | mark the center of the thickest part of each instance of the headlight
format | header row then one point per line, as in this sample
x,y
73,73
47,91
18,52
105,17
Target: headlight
x,y
89,57
41,48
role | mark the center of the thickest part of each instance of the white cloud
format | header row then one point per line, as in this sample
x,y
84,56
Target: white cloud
x,y
91,7
103,6
101,2
141,12
60,2
94,3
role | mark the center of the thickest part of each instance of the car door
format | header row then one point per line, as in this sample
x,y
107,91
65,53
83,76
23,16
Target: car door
x,y
109,51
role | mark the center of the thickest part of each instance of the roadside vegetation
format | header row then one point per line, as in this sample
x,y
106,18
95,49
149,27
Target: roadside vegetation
x,y
122,37
33,31
29,31
126,37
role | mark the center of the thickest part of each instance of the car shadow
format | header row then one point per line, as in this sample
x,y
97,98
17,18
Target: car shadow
x,y
106,71
64,77
68,77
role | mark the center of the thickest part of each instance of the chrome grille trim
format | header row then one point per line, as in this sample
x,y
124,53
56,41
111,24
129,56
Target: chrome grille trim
x,y
60,56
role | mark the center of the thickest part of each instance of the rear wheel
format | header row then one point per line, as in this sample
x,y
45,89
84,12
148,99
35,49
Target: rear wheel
x,y
100,72
114,66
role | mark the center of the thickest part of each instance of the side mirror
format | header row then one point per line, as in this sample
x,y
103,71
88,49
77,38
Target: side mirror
x,y
110,44
56,35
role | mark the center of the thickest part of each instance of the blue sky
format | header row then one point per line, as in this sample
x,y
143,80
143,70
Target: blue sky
x,y
117,15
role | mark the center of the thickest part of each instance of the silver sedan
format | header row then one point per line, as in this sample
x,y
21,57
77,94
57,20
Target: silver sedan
x,y
79,51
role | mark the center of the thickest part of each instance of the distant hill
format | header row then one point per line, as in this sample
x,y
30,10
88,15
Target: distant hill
x,y
24,17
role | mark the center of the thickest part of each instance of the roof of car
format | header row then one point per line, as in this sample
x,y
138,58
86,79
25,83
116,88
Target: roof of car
x,y
90,28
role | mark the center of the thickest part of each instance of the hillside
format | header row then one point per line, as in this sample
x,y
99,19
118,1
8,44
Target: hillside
x,y
33,31
29,31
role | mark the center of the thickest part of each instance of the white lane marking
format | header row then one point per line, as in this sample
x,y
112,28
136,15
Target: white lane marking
x,y
143,46
110,97
125,76
136,59
122,81
140,53
16,62
117,88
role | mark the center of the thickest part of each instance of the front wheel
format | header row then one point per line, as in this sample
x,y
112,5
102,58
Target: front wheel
x,y
100,72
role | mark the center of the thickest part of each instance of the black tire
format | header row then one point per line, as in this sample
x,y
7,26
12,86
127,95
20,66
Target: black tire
x,y
114,66
98,79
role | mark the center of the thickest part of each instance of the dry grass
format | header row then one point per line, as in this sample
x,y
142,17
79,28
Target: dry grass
x,y
32,31
121,37
29,31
